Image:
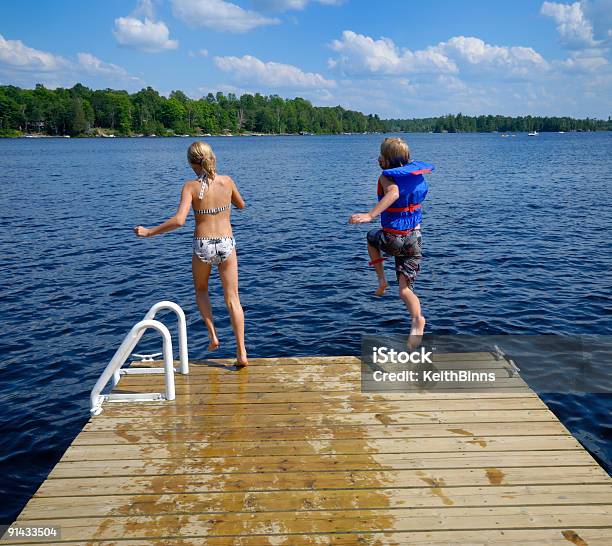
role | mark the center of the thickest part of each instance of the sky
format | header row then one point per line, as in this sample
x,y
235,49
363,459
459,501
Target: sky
x,y
399,59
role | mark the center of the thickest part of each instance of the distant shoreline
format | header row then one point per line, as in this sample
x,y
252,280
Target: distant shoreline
x,y
270,135
83,112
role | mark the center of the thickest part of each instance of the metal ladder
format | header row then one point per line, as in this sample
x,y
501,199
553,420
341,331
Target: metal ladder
x,y
114,369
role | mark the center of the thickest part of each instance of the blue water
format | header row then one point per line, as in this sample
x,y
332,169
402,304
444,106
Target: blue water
x,y
516,240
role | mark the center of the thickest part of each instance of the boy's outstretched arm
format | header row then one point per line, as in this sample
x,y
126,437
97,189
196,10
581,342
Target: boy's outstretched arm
x,y
391,195
176,221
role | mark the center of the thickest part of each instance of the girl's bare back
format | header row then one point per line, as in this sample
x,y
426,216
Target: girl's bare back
x,y
212,211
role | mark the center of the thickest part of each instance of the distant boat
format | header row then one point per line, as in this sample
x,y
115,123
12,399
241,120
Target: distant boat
x,y
561,132
533,133
504,136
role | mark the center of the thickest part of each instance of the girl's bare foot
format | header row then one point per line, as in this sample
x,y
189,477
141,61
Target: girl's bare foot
x,y
416,331
382,286
242,360
214,344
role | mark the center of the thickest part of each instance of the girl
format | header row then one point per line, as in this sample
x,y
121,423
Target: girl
x,y
211,196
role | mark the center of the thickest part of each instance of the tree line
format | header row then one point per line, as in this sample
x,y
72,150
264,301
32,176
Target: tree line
x,y
80,111
485,124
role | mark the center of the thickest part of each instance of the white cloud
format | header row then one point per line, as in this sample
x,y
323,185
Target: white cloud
x,y
359,54
599,13
464,73
251,70
226,89
587,60
362,55
576,24
286,5
26,66
514,60
144,9
94,66
219,15
15,54
573,27
146,35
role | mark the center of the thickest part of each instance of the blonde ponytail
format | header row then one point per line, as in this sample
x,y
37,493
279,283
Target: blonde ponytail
x,y
200,153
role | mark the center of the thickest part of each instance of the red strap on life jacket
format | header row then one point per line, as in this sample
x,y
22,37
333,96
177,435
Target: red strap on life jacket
x,y
398,231
409,208
377,261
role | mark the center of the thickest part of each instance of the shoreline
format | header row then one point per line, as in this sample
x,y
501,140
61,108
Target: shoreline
x,y
208,135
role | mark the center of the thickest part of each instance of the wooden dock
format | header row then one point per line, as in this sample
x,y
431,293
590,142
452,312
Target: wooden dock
x,y
290,452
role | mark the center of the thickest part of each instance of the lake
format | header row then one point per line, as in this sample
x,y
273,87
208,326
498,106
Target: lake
x,y
516,240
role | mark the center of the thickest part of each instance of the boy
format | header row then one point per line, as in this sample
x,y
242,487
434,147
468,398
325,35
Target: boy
x,y
401,190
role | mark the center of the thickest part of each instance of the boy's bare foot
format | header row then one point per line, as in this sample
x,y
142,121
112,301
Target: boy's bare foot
x,y
416,331
214,344
382,286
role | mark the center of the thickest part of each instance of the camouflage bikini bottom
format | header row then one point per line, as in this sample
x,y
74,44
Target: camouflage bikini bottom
x,y
213,250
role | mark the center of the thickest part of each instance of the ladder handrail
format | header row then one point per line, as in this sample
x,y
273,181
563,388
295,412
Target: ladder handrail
x,y
123,353
182,329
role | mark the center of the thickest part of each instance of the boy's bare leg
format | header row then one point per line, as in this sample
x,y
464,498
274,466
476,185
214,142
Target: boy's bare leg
x,y
417,326
228,271
201,274
375,257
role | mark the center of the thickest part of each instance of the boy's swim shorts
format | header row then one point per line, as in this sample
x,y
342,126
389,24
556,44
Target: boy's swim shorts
x,y
405,248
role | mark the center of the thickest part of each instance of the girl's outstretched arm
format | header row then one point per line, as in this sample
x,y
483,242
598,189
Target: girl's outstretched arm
x,y
176,221
237,199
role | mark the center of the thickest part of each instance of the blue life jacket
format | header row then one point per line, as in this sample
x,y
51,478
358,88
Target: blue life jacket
x,y
405,213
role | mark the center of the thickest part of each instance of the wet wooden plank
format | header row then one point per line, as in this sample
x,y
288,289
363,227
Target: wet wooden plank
x,y
303,361
502,450
309,381
382,414
579,536
195,430
322,480
134,449
89,466
269,501
203,391
206,406
290,451
334,521
322,369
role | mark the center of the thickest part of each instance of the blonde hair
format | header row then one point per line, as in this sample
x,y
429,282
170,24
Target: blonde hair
x,y
200,153
395,151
